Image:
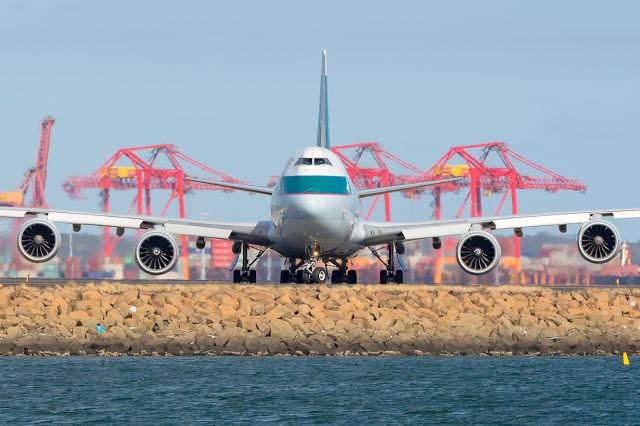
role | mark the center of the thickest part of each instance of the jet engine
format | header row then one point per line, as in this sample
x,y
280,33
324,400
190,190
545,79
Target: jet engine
x,y
478,252
38,240
598,241
156,252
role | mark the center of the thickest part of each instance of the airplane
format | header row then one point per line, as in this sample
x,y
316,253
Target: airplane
x,y
316,223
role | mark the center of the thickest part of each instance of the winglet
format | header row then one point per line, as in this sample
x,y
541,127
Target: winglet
x,y
323,115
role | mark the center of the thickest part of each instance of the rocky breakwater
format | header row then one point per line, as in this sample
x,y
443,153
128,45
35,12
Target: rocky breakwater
x,y
241,319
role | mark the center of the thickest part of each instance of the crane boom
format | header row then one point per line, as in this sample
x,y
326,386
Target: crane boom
x,y
36,176
40,176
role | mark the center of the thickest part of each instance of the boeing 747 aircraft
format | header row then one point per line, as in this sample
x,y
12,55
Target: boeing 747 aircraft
x,y
316,223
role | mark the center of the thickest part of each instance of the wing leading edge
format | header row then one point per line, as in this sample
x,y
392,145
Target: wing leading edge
x,y
238,186
363,193
383,232
247,232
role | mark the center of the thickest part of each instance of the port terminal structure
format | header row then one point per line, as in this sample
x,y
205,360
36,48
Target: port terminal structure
x,y
33,183
486,169
128,169
138,169
35,178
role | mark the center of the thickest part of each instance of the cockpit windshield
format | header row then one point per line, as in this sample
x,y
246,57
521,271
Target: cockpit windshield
x,y
313,161
304,162
321,161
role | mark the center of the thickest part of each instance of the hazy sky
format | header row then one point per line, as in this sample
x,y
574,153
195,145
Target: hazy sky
x,y
235,85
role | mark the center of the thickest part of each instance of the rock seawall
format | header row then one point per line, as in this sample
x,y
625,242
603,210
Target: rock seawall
x,y
302,320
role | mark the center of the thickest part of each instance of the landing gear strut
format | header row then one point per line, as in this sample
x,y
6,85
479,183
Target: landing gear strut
x,y
245,274
390,274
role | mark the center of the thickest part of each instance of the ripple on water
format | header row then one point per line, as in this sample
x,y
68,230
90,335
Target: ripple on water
x,y
319,390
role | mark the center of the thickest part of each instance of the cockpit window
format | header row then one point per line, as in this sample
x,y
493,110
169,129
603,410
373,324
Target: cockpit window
x,y
321,161
304,162
313,161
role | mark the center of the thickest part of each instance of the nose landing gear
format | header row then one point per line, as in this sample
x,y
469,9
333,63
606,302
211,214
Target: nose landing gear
x,y
311,273
304,272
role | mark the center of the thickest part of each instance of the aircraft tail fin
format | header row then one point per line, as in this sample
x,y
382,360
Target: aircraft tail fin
x,y
323,116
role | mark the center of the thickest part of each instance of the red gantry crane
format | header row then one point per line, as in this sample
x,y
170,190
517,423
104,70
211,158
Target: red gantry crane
x,y
380,174
143,176
484,169
483,178
33,181
35,178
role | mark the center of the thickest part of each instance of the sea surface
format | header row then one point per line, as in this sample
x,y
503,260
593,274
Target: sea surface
x,y
314,390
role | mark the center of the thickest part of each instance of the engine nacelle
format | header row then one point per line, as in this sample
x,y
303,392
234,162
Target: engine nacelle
x,y
156,252
38,240
478,252
598,241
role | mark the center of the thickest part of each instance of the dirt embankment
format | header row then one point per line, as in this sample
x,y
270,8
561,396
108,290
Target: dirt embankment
x,y
242,319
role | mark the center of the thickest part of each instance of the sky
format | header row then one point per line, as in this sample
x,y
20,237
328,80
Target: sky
x,y
235,85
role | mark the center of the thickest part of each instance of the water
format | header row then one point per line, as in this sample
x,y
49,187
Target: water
x,y
378,390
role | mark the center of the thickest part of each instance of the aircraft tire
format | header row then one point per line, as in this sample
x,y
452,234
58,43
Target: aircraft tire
x,y
236,276
384,276
285,276
299,276
352,277
253,278
399,277
319,275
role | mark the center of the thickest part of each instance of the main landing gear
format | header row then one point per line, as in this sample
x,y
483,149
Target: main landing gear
x,y
245,274
343,274
390,274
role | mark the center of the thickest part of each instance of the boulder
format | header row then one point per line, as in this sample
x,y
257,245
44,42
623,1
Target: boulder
x,y
230,302
174,299
78,315
247,323
130,297
278,312
91,295
263,325
14,332
67,322
282,330
227,312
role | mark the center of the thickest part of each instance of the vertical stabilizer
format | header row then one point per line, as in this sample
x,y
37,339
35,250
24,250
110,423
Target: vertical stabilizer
x,y
323,116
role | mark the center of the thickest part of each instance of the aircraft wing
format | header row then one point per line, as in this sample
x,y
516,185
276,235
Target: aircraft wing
x,y
386,232
238,186
249,232
363,193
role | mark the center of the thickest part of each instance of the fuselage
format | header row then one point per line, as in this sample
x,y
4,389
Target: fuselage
x,y
315,207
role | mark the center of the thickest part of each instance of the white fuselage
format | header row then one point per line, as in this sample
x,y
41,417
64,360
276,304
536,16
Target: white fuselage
x,y
315,206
